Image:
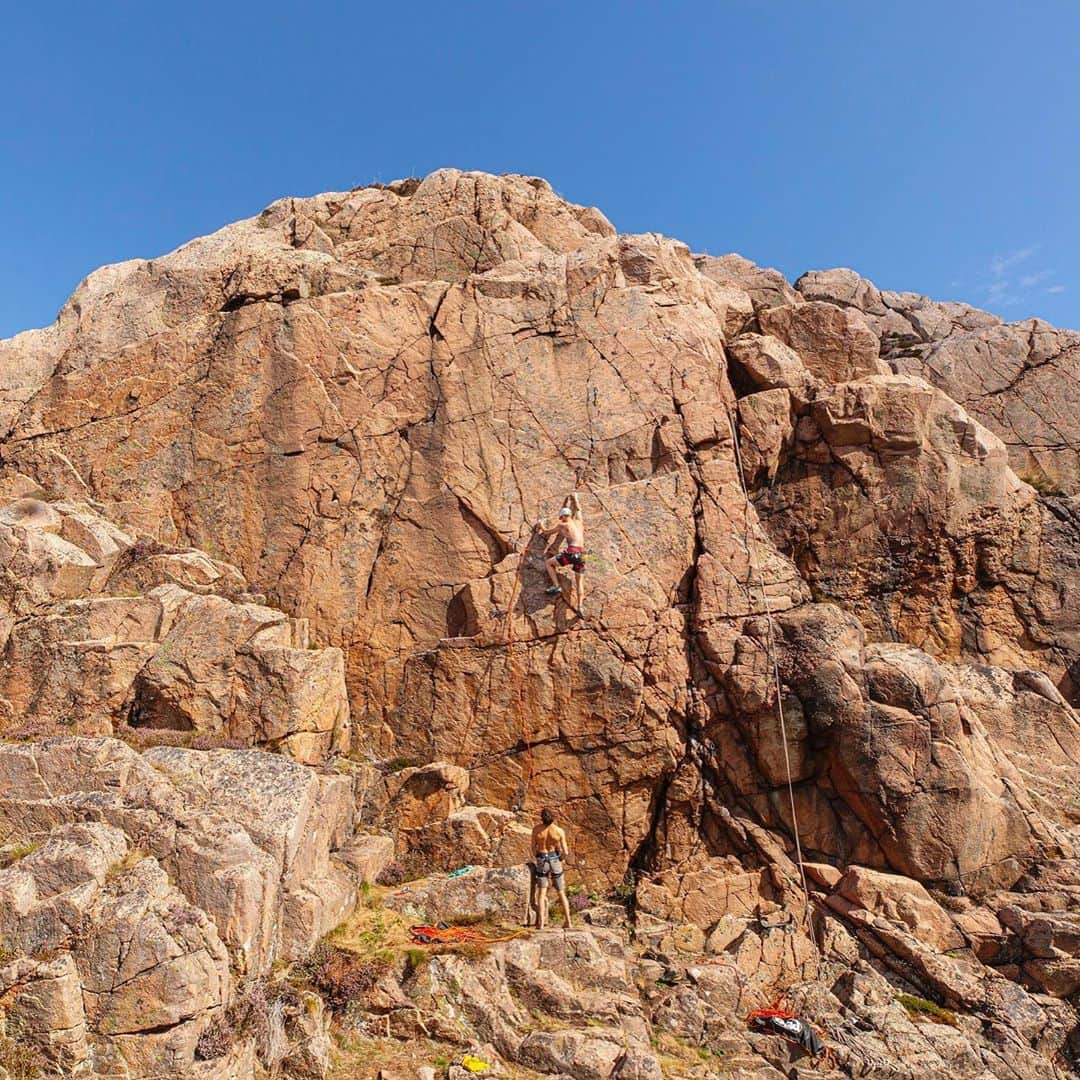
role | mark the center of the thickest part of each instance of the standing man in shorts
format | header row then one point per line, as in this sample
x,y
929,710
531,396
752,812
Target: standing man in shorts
x,y
549,848
571,528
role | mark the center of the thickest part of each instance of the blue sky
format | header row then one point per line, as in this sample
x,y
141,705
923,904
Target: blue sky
x,y
931,146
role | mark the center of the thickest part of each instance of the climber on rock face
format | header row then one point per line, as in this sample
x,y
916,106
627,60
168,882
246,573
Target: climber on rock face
x,y
571,528
549,848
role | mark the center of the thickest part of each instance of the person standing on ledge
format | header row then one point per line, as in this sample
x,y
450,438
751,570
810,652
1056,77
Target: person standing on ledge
x,y
571,528
549,848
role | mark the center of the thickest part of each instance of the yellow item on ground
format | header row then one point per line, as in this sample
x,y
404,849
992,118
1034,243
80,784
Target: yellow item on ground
x,y
474,1064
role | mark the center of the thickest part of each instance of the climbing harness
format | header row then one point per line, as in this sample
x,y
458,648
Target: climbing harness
x,y
573,556
771,647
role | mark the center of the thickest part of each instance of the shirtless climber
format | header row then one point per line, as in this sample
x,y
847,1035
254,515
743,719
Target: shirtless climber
x,y
571,528
549,848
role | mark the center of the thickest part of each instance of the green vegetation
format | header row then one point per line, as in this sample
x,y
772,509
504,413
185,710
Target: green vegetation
x,y
919,1007
372,933
415,959
370,896
1040,480
18,1060
626,890
122,866
17,851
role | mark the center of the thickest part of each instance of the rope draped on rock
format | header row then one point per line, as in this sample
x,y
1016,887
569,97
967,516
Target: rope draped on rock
x,y
755,565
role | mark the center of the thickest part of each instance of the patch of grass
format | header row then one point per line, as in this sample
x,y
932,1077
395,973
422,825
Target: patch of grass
x,y
1040,480
918,1007
210,741
674,1053
356,1054
140,738
122,866
398,764
18,1059
468,918
415,959
11,855
373,932
542,1021
468,950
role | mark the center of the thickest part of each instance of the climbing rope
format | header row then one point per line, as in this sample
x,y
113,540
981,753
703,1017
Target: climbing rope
x,y
516,676
771,649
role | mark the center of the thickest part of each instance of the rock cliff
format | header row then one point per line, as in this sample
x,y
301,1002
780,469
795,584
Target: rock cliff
x,y
280,489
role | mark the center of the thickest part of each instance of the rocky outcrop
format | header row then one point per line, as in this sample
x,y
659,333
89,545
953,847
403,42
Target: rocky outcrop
x,y
1019,379
140,891
596,1001
833,545
103,634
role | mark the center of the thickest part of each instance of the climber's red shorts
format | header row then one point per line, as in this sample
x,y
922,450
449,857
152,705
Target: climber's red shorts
x,y
572,556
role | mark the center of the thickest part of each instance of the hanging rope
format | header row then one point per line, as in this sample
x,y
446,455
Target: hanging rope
x,y
771,649
516,676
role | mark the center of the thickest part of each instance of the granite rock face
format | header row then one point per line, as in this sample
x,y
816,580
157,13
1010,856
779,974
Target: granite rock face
x,y
1019,379
138,891
833,539
103,634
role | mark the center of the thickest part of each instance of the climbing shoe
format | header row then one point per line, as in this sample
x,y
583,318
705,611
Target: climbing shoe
x,y
554,590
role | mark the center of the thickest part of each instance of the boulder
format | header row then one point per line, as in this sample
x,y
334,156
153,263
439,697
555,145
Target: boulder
x,y
901,900
81,657
766,363
834,343
246,836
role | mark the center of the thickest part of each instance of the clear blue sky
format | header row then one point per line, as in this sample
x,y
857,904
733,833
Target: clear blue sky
x,y
933,146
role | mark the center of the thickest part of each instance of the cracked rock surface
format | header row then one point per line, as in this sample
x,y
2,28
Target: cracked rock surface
x,y
339,422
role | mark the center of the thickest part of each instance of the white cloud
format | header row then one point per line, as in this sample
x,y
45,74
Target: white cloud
x,y
1003,287
1030,280
1000,263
